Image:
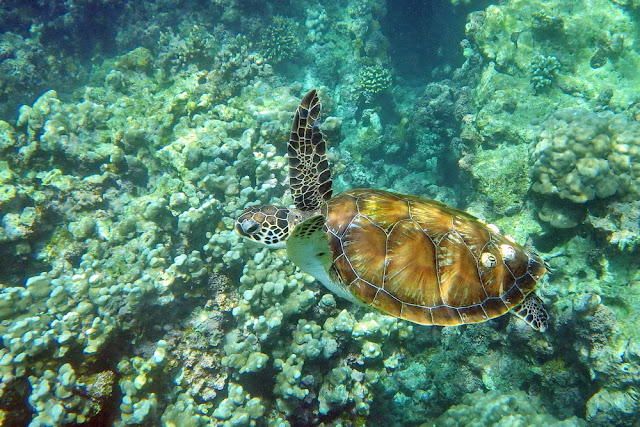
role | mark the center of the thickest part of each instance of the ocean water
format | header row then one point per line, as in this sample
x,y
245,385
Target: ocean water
x,y
133,135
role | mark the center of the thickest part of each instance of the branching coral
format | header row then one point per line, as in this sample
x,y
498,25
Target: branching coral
x,y
374,79
543,71
280,41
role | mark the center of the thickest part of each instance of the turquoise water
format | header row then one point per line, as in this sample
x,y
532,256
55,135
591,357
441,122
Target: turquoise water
x,y
132,135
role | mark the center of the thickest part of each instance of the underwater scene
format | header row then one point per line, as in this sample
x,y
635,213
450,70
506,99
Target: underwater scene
x,y
322,213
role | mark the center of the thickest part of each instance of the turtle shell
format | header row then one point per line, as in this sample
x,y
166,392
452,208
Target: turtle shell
x,y
424,261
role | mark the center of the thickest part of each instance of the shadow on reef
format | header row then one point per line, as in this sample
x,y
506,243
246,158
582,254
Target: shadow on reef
x,y
443,364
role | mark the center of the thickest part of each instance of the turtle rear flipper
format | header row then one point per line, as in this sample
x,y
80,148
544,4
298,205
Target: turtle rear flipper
x,y
309,174
532,311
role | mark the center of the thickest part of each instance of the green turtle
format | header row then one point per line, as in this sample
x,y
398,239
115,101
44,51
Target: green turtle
x,y
407,256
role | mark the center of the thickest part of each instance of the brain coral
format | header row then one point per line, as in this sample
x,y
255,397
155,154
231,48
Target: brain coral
x,y
580,155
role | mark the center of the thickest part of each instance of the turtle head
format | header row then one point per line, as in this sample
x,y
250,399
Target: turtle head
x,y
266,224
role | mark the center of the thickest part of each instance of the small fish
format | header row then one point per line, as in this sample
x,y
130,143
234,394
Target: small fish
x,y
515,36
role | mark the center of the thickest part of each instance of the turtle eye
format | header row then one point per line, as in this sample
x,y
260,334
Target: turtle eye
x,y
250,226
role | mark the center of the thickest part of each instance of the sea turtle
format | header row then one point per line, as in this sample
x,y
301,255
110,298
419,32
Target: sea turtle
x,y
407,256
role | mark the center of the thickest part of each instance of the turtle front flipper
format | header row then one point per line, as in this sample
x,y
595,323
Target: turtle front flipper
x,y
532,311
309,174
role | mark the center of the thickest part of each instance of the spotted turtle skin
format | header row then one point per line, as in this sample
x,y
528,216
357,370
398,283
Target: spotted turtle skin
x,y
423,261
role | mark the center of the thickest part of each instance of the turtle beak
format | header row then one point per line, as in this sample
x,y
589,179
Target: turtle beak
x,y
238,230
247,228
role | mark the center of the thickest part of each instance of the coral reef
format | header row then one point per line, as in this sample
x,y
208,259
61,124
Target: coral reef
x,y
239,408
493,409
280,41
23,67
64,398
543,71
120,260
420,149
581,155
502,176
621,223
374,79
126,298
510,35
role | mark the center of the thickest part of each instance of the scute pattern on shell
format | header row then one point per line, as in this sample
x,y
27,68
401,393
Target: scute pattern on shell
x,y
420,260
